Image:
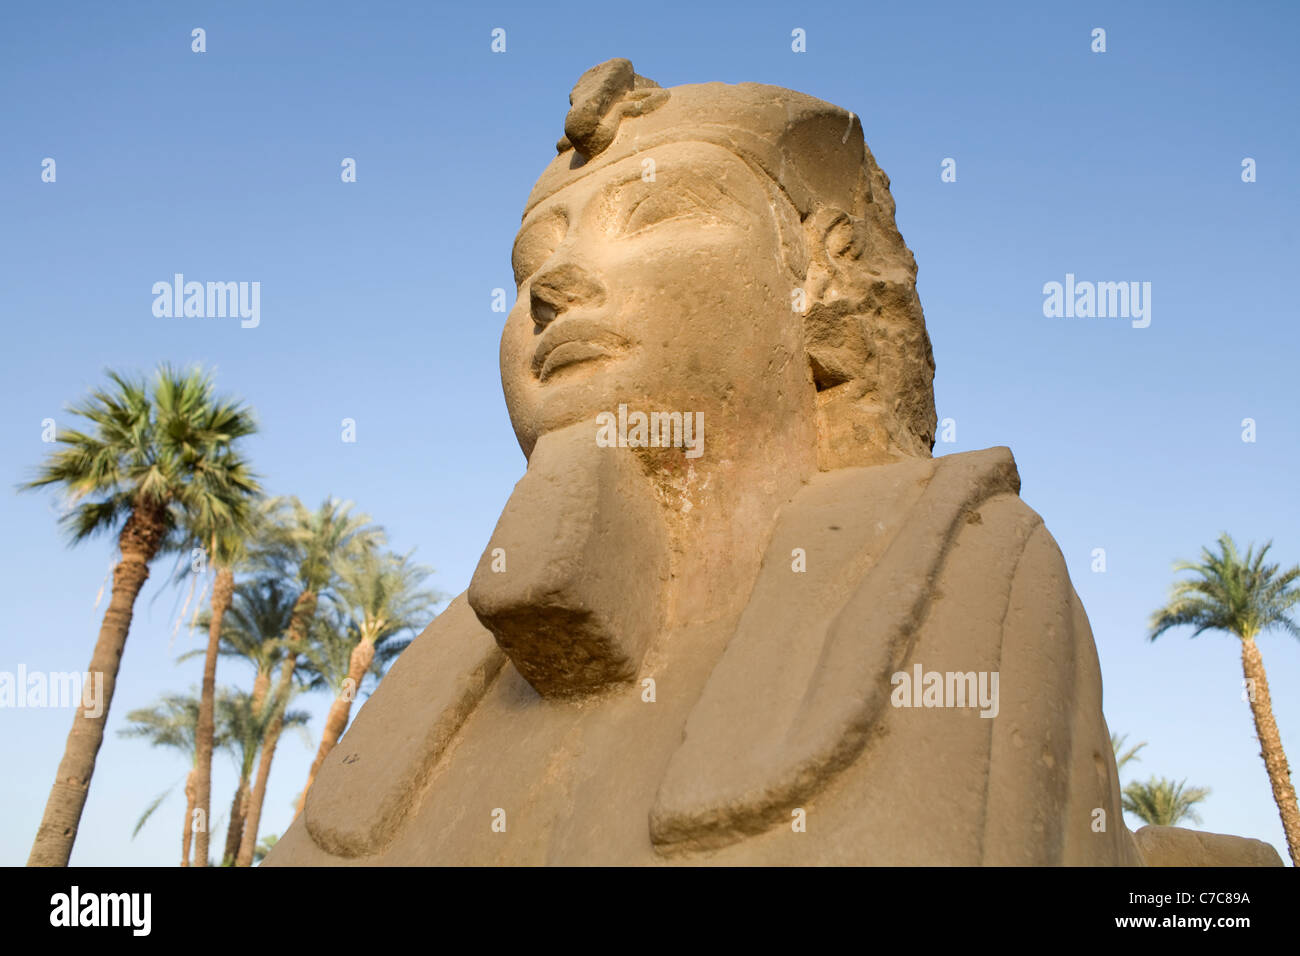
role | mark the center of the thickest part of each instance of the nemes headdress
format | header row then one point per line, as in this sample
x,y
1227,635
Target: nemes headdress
x,y
867,345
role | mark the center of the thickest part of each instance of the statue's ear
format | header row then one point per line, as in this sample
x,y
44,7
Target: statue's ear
x,y
834,336
836,241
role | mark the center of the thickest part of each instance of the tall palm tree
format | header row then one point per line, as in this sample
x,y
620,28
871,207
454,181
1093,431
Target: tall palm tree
x,y
1162,802
304,546
1243,596
253,630
155,452
225,531
223,527
248,726
381,596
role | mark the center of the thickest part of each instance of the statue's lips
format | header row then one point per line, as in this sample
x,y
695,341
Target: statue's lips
x,y
572,341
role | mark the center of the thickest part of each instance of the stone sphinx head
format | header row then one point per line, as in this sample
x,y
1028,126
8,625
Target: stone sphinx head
x,y
729,249
722,253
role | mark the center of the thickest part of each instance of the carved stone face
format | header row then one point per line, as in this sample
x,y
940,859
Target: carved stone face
x,y
669,294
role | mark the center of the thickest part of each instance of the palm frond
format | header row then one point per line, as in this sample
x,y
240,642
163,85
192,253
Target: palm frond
x,y
167,442
1117,742
1230,591
1161,802
148,811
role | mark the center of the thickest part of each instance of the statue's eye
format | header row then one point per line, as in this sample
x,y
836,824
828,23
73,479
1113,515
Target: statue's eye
x,y
661,205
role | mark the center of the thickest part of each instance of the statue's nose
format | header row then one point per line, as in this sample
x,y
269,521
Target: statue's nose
x,y
560,288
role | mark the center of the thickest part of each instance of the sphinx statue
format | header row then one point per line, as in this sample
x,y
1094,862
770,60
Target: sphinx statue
x,y
735,612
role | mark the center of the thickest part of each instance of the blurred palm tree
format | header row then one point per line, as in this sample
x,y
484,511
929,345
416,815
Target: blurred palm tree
x,y
254,630
222,527
248,728
1243,596
379,596
173,723
1163,803
157,451
304,547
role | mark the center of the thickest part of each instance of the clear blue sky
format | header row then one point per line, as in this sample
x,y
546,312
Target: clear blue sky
x,y
376,297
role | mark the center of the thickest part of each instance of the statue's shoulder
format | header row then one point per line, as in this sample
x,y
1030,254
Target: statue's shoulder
x,y
1175,846
930,492
399,733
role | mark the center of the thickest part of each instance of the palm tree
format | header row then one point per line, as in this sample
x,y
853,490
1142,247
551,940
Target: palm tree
x,y
253,630
152,455
169,723
304,546
223,527
381,597
1243,596
173,722
1162,802
323,665
248,726
1116,742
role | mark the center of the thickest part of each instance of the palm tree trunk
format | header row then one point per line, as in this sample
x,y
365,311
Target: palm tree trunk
x,y
239,817
261,684
340,710
253,819
138,544
187,834
1270,745
223,591
303,611
235,830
